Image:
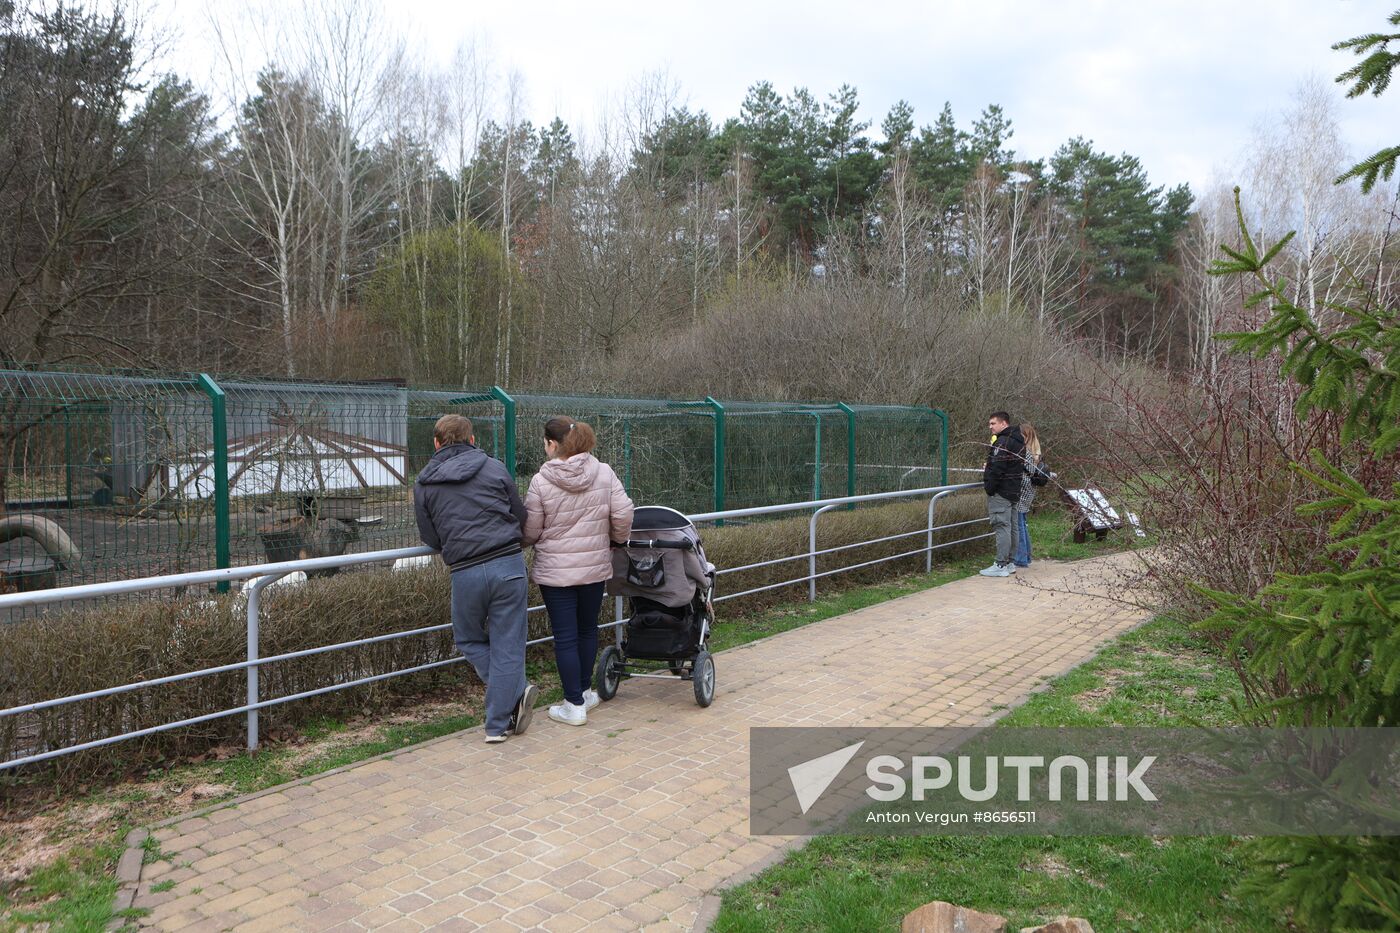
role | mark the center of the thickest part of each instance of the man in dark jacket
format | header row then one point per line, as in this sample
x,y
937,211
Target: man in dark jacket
x,y
1001,478
469,509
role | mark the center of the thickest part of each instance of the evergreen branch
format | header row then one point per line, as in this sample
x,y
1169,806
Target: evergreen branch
x,y
1380,166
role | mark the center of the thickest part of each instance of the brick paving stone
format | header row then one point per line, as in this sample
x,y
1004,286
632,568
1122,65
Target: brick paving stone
x,y
627,823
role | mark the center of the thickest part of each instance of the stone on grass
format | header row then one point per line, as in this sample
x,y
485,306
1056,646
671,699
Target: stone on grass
x,y
942,917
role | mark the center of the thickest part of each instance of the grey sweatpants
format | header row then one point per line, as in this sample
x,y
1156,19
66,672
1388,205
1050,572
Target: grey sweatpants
x,y
489,608
1003,516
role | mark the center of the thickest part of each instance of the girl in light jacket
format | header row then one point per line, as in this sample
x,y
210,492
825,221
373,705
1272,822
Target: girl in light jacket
x,y
1022,555
576,506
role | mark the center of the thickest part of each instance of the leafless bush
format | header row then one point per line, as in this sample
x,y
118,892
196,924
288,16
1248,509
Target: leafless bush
x,y
1207,467
849,339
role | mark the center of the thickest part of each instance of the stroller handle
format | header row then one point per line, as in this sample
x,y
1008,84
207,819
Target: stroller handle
x,y
651,545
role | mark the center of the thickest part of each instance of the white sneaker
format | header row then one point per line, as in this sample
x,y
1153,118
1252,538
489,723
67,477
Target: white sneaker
x,y
591,699
569,714
999,570
992,571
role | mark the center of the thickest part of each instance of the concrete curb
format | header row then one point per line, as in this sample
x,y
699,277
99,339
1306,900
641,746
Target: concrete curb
x,y
128,876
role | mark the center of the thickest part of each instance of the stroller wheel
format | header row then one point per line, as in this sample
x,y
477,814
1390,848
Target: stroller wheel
x,y
609,672
676,667
704,678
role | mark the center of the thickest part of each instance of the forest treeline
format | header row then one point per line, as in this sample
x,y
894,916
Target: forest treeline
x,y
352,213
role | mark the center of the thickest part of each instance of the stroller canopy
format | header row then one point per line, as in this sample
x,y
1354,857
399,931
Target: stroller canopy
x,y
658,518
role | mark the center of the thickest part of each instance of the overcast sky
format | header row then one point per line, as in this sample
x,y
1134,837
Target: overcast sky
x,y
1179,84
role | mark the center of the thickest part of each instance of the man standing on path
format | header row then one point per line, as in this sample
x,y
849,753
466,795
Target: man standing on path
x,y
1001,478
468,508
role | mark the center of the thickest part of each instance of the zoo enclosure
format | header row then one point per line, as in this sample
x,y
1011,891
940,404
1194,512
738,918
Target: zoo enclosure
x,y
108,477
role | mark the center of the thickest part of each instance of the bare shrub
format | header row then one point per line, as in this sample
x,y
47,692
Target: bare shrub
x,y
1207,467
849,339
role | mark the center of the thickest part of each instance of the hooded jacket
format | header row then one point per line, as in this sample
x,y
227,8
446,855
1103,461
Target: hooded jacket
x,y
1005,465
574,509
467,506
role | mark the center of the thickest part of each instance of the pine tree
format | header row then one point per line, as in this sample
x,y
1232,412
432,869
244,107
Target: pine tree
x,y
1331,636
1372,74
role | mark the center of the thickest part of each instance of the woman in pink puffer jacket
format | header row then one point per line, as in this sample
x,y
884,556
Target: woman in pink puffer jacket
x,y
575,507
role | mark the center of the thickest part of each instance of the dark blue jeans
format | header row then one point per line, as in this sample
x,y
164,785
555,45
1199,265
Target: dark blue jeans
x,y
1022,557
573,615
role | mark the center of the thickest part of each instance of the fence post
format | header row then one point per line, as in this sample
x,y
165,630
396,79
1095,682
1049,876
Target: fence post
x,y
627,456
68,455
508,404
719,455
817,457
218,404
942,417
850,450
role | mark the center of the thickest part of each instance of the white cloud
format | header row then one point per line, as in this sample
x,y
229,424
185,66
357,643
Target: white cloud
x,y
1178,85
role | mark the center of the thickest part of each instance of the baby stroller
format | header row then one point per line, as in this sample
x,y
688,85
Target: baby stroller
x,y
668,584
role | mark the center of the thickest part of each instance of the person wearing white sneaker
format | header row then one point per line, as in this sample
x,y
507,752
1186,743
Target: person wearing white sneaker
x,y
575,508
1001,479
569,714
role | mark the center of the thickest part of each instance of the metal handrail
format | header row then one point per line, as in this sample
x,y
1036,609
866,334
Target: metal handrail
x,y
264,575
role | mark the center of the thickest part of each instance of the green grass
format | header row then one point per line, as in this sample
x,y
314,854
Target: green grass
x,y
1155,676
75,894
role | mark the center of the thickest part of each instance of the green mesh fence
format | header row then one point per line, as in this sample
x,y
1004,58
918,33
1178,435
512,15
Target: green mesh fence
x,y
108,477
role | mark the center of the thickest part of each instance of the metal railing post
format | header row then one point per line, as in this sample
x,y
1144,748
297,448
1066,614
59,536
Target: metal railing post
x,y
218,404
254,625
812,552
617,617
932,511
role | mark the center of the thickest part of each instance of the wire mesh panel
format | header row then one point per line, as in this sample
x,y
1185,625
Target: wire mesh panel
x,y
784,454
109,477
83,462
898,448
663,451
313,469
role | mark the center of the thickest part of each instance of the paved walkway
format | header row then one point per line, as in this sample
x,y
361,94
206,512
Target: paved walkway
x,y
629,822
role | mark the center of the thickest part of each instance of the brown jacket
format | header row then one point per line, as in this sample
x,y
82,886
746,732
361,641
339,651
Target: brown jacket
x,y
573,509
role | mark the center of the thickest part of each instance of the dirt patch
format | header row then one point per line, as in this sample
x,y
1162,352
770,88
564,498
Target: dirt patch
x,y
1054,867
1091,700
